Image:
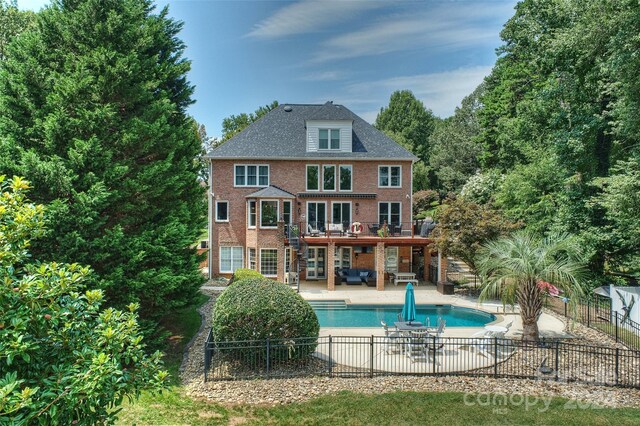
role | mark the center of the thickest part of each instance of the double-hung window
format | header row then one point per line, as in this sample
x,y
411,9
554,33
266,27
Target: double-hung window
x,y
346,178
268,213
329,139
251,258
251,213
389,177
313,178
222,211
230,259
329,178
269,262
389,212
251,175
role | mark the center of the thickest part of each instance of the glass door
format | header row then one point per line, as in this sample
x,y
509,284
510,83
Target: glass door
x,y
342,257
316,263
341,214
391,259
316,216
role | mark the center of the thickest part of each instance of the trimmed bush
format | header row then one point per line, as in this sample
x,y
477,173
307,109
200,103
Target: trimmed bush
x,y
261,309
242,274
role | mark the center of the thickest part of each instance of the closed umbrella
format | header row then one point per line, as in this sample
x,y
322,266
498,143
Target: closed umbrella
x,y
409,308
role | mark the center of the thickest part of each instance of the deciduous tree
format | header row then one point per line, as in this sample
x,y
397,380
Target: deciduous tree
x,y
64,359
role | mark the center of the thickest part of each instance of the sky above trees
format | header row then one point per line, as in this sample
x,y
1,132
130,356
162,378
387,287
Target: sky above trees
x,y
249,53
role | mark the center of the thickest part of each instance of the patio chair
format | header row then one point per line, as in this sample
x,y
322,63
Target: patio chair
x,y
312,232
393,339
417,345
439,341
400,318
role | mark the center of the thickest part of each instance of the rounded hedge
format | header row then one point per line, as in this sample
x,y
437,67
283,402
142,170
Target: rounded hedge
x,y
261,309
243,274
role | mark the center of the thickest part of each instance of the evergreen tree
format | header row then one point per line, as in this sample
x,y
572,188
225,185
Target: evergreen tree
x,y
93,99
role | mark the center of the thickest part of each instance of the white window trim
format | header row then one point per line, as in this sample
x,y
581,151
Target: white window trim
x,y
220,259
350,210
277,213
389,203
249,226
215,214
260,262
306,178
340,177
389,167
329,129
246,175
335,175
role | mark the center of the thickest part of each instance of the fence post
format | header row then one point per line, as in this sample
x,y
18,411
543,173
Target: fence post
x,y
557,358
616,327
617,362
206,360
268,347
433,340
589,313
495,357
565,309
371,356
330,359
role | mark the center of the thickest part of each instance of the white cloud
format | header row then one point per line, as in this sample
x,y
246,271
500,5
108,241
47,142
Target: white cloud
x,y
309,16
457,25
441,92
323,76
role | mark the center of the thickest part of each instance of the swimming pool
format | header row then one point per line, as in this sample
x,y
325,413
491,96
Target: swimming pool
x,y
370,315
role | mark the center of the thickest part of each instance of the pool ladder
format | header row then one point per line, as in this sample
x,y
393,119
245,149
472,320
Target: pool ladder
x,y
328,304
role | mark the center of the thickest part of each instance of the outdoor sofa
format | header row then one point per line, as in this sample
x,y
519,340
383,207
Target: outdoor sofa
x,y
356,276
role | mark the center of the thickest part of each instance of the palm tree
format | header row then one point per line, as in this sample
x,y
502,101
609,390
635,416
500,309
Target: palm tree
x,y
514,266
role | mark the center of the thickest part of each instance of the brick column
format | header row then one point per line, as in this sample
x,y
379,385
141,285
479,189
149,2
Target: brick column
x,y
380,266
427,263
280,251
331,266
443,268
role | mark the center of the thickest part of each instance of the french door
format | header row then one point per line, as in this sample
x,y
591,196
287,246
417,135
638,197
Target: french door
x,y
316,263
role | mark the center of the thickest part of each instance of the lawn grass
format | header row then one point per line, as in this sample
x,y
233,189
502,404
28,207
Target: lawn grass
x,y
398,408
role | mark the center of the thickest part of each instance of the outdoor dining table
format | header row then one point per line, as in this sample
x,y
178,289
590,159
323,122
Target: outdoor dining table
x,y
410,326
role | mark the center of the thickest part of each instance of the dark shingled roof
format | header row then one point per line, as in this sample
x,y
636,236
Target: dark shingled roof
x,y
271,191
282,134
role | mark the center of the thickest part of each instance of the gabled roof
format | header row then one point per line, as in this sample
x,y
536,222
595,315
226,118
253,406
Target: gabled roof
x,y
271,191
282,134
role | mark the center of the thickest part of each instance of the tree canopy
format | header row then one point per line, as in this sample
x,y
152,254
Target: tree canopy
x,y
94,99
234,124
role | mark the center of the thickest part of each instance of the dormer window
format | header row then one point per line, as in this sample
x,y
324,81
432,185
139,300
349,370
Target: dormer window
x,y
329,139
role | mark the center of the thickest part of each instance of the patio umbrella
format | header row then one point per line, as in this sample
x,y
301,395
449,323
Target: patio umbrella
x,y
409,308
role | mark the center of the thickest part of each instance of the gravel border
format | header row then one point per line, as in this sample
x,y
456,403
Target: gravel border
x,y
285,391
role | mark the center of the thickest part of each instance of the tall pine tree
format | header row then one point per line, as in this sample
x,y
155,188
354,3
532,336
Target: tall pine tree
x,y
93,100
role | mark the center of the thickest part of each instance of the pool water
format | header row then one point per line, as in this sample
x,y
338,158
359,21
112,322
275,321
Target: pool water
x,y
371,315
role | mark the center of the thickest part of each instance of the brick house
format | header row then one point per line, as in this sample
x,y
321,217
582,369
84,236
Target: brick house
x,y
311,189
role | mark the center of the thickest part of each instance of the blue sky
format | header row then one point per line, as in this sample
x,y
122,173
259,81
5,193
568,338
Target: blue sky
x,y
356,52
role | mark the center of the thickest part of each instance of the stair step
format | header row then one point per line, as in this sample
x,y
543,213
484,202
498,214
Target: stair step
x,y
328,304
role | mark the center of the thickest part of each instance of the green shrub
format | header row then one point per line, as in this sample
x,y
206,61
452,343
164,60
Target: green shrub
x,y
242,274
260,309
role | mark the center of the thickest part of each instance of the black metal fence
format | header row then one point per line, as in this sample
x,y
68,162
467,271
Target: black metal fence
x,y
596,313
372,356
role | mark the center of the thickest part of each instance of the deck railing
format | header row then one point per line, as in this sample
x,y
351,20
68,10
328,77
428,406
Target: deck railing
x,y
352,229
372,356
